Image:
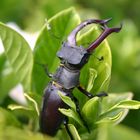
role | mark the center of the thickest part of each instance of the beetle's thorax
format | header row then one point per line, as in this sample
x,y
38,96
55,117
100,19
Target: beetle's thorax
x,y
66,78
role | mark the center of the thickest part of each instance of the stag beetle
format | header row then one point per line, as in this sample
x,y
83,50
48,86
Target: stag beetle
x,y
72,59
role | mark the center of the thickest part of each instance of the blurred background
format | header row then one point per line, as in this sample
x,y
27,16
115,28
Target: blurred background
x,y
30,15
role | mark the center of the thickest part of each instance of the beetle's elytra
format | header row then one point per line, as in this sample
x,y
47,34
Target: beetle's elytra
x,y
66,78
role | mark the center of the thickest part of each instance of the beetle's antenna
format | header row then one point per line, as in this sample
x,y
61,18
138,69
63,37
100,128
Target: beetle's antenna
x,y
72,36
106,31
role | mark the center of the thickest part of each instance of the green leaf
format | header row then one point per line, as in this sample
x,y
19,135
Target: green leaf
x,y
113,99
72,114
129,104
2,77
91,110
92,77
7,118
111,110
74,132
119,132
18,65
15,107
67,100
37,98
30,110
49,42
32,103
99,69
12,133
111,117
32,106
6,78
2,61
102,69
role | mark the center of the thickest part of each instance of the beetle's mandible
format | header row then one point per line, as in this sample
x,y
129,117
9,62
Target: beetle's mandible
x,y
66,78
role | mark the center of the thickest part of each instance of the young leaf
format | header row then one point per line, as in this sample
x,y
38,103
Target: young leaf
x,y
102,67
74,132
72,114
32,103
129,104
29,110
49,42
115,113
19,58
113,99
112,117
91,110
92,77
15,107
67,100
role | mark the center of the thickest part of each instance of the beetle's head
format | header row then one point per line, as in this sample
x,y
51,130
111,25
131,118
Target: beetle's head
x,y
75,57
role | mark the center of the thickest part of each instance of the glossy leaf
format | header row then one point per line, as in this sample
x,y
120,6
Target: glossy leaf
x,y
92,77
114,116
30,108
111,110
19,60
91,110
32,103
102,67
49,42
15,107
129,104
72,114
74,132
113,99
67,100
29,112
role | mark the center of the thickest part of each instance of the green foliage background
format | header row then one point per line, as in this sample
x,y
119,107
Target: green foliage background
x,y
125,46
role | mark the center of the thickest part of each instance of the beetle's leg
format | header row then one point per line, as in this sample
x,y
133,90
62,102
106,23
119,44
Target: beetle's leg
x,y
45,67
89,95
67,128
79,112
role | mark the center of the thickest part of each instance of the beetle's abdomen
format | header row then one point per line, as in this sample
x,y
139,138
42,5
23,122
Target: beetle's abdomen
x,y
66,78
50,117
